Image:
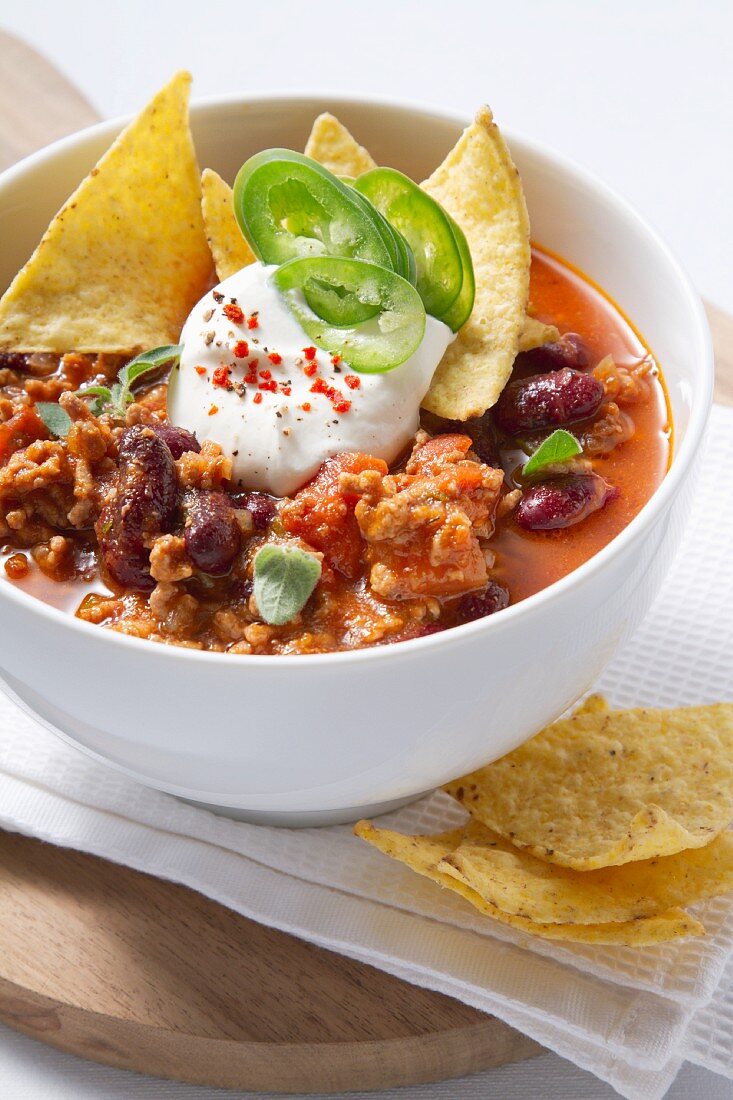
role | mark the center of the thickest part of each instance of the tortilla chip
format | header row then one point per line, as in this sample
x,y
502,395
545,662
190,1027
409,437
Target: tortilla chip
x,y
534,334
480,187
604,788
125,260
332,145
519,884
229,248
424,854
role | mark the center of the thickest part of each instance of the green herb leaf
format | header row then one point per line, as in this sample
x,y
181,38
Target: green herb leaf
x,y
558,447
56,419
148,361
102,395
115,400
284,578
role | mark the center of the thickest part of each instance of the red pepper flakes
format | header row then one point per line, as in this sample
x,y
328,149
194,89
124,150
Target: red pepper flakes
x,y
335,359
252,321
200,370
275,359
241,349
213,410
336,398
265,374
352,381
306,406
220,377
234,313
310,369
286,390
269,384
257,399
310,353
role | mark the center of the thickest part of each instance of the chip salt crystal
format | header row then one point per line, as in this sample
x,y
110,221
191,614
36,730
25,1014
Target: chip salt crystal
x,y
261,420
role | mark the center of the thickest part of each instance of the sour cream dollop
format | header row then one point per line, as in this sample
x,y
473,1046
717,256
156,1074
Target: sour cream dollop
x,y
250,380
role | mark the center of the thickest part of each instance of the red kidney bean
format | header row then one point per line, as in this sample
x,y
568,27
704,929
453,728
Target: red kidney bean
x,y
568,351
177,440
548,401
562,502
16,361
261,507
211,531
430,628
476,605
140,504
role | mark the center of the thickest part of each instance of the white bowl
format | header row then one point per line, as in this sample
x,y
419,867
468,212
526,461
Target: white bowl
x,y
316,739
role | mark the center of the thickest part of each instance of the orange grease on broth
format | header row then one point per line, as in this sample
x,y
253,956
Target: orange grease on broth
x,y
528,561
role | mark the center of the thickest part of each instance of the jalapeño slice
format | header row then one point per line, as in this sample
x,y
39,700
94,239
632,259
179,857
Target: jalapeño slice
x,y
427,230
344,289
461,309
289,206
403,260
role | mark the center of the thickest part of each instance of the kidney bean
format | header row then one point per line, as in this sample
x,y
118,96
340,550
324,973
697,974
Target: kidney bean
x,y
568,351
15,361
211,532
430,628
177,440
141,504
548,401
562,502
261,507
476,605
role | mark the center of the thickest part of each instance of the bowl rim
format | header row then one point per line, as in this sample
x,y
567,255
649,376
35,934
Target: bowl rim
x,y
578,578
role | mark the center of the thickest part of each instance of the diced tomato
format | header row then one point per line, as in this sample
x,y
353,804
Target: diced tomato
x,y
21,429
323,515
437,452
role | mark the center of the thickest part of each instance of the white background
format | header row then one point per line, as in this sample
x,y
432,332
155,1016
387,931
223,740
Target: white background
x,y
639,91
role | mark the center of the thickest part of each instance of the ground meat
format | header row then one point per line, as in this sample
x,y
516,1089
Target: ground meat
x,y
612,428
36,489
92,451
209,469
68,373
55,558
169,560
174,609
421,526
625,385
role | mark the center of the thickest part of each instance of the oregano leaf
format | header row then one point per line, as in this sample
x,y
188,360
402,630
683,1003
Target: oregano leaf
x,y
148,361
558,447
115,399
56,419
284,579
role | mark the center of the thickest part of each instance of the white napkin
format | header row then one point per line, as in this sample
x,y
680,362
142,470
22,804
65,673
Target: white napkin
x,y
631,1016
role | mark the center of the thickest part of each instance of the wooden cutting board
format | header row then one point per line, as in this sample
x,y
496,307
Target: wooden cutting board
x,y
125,969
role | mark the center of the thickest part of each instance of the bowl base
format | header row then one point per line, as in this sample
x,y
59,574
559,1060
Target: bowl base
x,y
304,819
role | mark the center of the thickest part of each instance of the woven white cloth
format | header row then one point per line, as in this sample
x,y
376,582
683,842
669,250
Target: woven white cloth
x,y
631,1016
